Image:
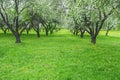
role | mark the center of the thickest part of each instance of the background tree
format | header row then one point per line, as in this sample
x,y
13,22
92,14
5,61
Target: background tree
x,y
110,23
48,15
95,13
75,16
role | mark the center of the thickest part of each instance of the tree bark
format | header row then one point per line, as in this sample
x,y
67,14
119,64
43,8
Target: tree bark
x,y
107,32
51,31
93,39
109,28
4,31
46,32
76,33
38,34
27,31
17,36
82,34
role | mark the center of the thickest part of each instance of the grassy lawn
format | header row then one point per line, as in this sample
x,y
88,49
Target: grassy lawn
x,y
61,56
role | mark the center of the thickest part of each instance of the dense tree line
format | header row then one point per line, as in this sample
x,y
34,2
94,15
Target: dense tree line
x,y
90,16
20,15
81,16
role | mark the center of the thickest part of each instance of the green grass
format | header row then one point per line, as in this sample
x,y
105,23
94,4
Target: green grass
x,y
61,56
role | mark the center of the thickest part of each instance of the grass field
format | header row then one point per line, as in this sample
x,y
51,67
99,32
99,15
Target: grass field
x,y
61,56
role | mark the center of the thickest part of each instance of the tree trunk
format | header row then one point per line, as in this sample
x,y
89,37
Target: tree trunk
x,y
51,31
76,33
108,29
17,36
4,31
93,39
82,34
46,32
107,32
38,34
27,31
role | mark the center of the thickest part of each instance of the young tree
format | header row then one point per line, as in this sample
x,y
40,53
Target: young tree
x,y
48,15
75,17
110,24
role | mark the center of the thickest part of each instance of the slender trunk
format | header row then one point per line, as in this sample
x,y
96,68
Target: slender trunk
x,y
82,34
38,34
4,31
51,31
17,36
109,28
76,33
107,32
46,32
93,39
27,32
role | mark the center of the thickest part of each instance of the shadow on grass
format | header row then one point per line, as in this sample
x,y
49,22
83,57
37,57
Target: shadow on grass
x,y
2,52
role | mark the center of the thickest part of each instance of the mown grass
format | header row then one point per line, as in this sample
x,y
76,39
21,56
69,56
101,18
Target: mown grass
x,y
61,56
